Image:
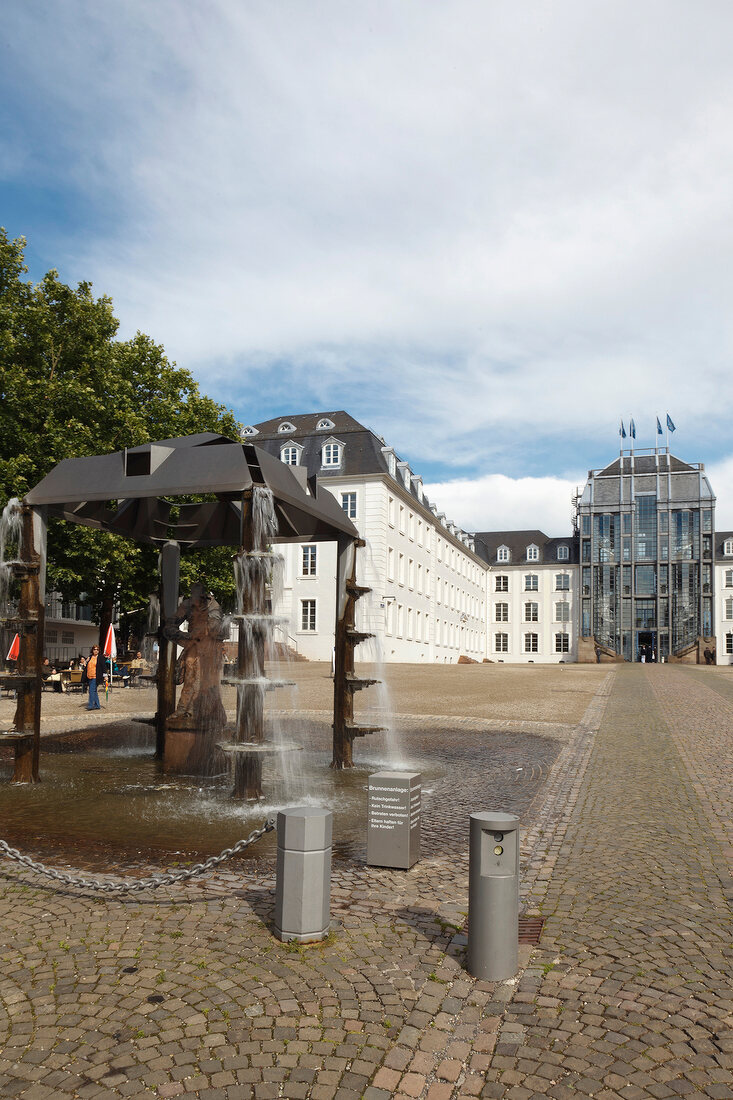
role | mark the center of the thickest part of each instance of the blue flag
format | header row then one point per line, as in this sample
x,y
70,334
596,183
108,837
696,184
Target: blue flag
x,y
622,431
632,429
659,427
670,425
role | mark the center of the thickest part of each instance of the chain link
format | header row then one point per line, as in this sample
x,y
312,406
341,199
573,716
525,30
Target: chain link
x,y
134,885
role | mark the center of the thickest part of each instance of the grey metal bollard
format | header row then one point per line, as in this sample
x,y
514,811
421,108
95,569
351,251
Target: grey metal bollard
x,y
303,882
493,896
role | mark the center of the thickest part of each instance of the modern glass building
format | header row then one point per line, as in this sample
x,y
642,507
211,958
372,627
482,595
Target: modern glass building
x,y
646,526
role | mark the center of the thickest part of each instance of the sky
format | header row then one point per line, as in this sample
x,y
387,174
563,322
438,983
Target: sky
x,y
490,231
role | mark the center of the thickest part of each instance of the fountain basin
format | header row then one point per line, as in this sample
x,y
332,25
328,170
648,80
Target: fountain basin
x,y
258,748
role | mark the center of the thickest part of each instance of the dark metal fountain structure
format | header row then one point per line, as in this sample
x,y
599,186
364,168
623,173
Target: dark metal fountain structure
x,y
345,680
134,493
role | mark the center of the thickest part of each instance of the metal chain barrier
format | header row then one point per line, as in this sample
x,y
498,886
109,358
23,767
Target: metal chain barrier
x,y
132,886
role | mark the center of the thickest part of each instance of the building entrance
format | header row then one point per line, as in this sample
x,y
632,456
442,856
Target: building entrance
x,y
646,646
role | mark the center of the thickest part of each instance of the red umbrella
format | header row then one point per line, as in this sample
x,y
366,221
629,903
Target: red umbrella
x,y
14,650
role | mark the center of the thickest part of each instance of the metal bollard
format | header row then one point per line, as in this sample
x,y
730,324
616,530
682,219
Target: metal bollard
x,y
493,896
303,882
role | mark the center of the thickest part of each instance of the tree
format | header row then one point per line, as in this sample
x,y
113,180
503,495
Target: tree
x,y
68,387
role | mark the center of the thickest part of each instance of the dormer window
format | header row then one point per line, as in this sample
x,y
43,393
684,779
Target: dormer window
x,y
533,553
503,553
325,425
290,453
331,454
728,548
286,426
249,431
563,553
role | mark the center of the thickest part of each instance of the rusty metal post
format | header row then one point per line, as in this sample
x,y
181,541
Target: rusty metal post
x,y
170,567
31,572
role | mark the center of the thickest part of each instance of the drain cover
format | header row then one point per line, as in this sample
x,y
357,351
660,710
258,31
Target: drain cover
x,y
530,929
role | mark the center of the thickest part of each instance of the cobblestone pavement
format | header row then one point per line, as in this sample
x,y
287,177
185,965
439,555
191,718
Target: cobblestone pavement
x,y
626,853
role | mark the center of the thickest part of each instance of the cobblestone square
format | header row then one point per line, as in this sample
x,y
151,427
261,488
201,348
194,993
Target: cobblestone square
x,y
622,781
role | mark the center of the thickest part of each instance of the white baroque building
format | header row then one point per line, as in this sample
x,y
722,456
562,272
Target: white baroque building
x,y
439,592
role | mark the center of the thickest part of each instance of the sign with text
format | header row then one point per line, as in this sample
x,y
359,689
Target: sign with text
x,y
393,827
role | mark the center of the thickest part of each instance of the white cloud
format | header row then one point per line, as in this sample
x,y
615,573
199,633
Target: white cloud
x,y
494,221
721,480
498,503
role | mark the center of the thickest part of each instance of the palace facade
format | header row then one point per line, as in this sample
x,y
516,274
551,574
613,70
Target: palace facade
x,y
641,575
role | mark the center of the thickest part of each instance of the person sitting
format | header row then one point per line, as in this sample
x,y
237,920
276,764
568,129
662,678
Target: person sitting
x,y
50,674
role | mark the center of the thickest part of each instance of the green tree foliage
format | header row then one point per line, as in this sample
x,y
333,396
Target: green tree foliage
x,y
68,387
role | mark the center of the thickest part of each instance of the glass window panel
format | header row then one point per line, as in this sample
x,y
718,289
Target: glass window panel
x,y
645,528
645,614
646,580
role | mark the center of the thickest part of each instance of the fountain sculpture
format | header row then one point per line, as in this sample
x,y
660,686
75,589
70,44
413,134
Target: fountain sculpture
x,y
257,502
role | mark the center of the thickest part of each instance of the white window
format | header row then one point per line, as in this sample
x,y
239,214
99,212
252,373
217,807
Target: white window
x,y
729,578
729,608
308,615
502,612
390,511
563,553
249,431
289,455
502,583
401,569
67,637
501,643
308,561
562,582
533,553
402,519
562,612
728,547
411,573
325,425
400,614
331,455
531,582
503,553
390,563
411,527
409,622
348,503
286,426
419,578
531,643
531,612
729,643
388,618
562,643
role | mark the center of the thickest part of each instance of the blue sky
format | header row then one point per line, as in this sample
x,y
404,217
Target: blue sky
x,y
487,230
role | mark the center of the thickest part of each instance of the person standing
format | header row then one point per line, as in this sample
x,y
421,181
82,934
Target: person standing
x,y
94,674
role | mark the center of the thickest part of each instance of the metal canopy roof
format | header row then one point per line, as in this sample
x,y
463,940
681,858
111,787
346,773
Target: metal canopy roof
x,y
133,493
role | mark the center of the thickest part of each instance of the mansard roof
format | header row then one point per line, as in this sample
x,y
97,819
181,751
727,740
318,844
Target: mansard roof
x,y
721,537
307,424
489,542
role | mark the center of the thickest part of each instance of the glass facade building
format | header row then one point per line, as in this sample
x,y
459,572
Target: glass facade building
x,y
646,526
